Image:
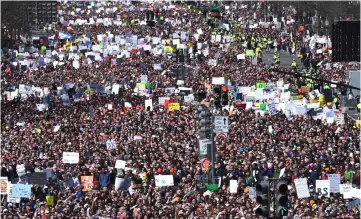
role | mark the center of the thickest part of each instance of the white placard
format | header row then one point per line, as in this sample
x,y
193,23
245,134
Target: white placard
x,y
144,78
10,197
120,164
319,51
115,88
71,157
20,169
323,188
302,188
41,107
356,193
346,190
218,80
335,180
283,169
164,180
148,103
241,56
233,186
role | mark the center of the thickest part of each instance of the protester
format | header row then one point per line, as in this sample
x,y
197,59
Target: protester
x,y
101,111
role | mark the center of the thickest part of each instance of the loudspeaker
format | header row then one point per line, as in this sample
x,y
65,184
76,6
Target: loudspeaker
x,y
346,41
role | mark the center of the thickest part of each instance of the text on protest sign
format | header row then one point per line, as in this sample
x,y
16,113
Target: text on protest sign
x,y
323,188
335,180
302,188
21,191
71,157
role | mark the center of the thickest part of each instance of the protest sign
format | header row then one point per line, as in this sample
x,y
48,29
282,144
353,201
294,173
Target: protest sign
x,y
122,184
3,185
9,193
241,56
37,178
356,193
164,180
71,157
20,169
120,164
302,188
144,78
335,180
148,105
21,191
218,80
173,107
87,182
261,85
323,188
233,186
346,190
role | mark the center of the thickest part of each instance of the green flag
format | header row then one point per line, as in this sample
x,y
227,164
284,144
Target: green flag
x,y
212,187
43,48
132,22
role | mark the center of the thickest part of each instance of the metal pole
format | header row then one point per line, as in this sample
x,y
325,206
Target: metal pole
x,y
212,152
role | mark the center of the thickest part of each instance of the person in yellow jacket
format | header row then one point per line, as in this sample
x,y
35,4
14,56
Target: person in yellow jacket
x,y
358,107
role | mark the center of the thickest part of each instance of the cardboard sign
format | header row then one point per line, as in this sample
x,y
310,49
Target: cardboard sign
x,y
335,180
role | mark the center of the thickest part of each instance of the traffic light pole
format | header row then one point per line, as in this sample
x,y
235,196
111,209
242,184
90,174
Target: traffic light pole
x,y
212,152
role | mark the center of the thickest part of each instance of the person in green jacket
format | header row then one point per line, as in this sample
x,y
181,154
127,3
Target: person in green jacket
x,y
348,174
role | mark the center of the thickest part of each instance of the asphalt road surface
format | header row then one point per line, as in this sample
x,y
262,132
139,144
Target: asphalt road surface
x,y
285,58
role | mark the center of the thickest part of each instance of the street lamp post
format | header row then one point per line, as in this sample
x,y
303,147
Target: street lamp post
x,y
327,23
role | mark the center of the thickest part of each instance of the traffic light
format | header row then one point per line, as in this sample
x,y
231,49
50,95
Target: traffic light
x,y
217,95
224,96
204,122
281,199
262,190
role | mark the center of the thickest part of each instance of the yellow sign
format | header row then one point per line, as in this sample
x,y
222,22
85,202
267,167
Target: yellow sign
x,y
358,122
173,106
141,86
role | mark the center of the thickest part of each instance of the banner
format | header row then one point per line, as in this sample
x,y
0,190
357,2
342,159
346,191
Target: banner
x,y
71,157
164,180
323,188
87,182
3,185
21,191
302,188
335,180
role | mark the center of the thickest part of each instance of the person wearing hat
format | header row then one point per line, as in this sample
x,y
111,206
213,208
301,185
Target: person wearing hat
x,y
294,64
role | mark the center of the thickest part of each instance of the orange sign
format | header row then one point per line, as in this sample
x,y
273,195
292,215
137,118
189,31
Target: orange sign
x,y
87,182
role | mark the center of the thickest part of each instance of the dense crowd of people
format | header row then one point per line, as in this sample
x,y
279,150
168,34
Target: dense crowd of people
x,y
156,141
